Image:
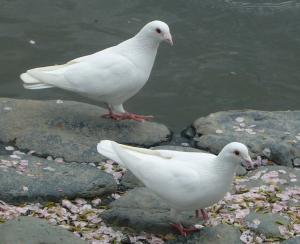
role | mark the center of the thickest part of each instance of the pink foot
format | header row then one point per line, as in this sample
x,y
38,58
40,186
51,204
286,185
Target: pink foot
x,y
183,231
125,116
201,214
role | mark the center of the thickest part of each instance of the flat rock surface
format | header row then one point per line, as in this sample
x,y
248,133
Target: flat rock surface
x,y
27,178
3,151
70,129
23,230
141,210
219,234
267,224
280,176
295,240
278,132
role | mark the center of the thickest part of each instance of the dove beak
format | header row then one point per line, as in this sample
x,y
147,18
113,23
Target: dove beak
x,y
168,39
248,162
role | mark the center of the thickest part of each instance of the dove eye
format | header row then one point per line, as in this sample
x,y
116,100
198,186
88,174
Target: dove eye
x,y
158,30
237,153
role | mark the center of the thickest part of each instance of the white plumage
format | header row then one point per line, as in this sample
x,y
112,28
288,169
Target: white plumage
x,y
112,75
185,180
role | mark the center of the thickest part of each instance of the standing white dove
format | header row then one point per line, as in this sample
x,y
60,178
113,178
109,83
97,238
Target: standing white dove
x,y
185,180
112,75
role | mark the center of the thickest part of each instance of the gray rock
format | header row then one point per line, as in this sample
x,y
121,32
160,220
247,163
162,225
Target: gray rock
x,y
268,223
241,171
29,230
219,234
44,180
296,163
141,210
276,131
70,129
295,240
3,151
130,181
284,173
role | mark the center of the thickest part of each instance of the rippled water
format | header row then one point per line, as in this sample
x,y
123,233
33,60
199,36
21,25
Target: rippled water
x,y
227,54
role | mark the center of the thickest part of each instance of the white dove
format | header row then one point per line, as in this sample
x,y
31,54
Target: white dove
x,y
185,180
112,75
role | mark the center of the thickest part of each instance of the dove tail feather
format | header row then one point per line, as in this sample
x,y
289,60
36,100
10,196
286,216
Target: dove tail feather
x,y
32,83
106,148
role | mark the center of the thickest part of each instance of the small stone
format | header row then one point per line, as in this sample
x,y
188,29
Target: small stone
x,y
7,108
239,119
267,152
296,163
59,160
9,148
49,168
219,131
25,188
242,125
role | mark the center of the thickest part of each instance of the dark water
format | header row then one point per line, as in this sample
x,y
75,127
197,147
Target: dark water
x,y
227,54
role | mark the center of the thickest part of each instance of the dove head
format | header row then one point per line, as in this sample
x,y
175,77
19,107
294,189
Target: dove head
x,y
235,153
157,31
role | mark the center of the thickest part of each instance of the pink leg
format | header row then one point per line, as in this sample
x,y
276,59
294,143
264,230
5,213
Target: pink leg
x,y
183,231
204,215
124,116
201,214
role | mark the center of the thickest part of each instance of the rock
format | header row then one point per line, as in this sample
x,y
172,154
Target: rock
x,y
241,171
274,132
130,181
43,180
286,177
295,240
3,151
35,231
219,234
296,163
266,223
141,210
70,129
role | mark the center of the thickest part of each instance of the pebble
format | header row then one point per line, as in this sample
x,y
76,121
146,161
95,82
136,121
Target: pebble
x,y
239,119
9,148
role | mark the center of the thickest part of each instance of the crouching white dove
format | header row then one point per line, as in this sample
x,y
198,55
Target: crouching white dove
x,y
112,75
185,180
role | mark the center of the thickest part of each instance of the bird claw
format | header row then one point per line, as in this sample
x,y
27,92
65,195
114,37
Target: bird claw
x,y
203,214
127,116
182,230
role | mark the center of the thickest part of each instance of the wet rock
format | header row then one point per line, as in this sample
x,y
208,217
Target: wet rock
x,y
70,129
219,234
295,240
35,231
130,181
3,151
259,130
296,163
141,210
33,179
281,176
267,224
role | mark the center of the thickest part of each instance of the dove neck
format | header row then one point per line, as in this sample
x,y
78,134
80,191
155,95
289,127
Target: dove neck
x,y
225,166
145,42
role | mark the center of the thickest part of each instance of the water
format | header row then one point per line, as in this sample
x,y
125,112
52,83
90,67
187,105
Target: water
x,y
227,54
